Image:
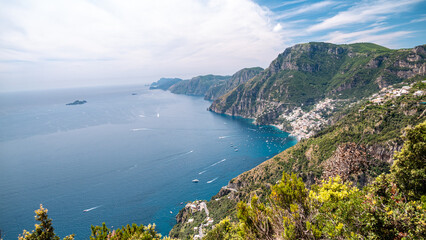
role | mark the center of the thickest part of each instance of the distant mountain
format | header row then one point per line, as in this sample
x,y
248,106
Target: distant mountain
x,y
198,86
209,86
164,83
238,78
304,75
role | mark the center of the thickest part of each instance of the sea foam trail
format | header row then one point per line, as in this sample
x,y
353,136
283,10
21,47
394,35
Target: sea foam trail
x,y
140,129
216,163
214,179
188,152
90,209
202,172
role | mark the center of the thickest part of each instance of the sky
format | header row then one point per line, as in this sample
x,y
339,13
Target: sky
x,y
76,43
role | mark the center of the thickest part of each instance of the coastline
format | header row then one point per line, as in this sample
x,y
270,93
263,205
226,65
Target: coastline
x,y
184,218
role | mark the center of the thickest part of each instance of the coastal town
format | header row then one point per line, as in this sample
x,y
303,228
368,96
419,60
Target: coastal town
x,y
305,124
392,92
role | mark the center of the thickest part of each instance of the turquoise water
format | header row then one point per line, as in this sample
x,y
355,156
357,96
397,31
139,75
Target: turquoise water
x,y
122,157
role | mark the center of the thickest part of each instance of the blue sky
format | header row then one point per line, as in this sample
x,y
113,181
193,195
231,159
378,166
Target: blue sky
x,y
394,24
71,43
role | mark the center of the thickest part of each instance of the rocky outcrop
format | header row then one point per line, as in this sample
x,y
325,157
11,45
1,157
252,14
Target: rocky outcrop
x,y
77,102
183,215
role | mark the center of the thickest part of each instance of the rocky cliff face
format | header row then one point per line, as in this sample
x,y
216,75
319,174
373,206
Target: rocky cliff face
x,y
306,74
198,86
238,78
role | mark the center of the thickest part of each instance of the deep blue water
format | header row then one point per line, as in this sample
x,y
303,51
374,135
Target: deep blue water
x,y
129,158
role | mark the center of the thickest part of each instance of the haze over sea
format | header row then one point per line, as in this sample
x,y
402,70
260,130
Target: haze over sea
x,y
124,158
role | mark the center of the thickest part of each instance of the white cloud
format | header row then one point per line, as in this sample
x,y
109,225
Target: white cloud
x,y
363,12
374,35
58,42
288,3
277,27
421,19
305,9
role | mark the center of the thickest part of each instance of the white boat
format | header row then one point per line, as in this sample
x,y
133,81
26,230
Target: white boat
x,y
195,180
90,209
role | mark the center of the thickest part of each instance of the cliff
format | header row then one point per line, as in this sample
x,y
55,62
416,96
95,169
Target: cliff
x,y
305,76
236,79
198,86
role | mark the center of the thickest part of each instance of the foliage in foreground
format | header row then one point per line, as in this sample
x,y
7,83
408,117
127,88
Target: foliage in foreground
x,y
45,231
133,232
392,207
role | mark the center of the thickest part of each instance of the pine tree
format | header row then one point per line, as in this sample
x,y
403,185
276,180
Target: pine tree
x,y
44,230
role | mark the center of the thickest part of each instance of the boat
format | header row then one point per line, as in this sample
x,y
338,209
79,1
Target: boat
x,y
236,149
195,180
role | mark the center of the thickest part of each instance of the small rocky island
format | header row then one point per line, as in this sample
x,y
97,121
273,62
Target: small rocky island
x,y
77,102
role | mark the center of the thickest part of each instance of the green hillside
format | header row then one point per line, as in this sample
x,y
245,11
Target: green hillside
x,y
236,79
198,86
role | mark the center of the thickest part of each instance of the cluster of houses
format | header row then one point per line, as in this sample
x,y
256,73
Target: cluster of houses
x,y
198,206
305,124
391,92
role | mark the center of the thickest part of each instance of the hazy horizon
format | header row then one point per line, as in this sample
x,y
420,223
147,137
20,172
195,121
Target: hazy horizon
x,y
67,44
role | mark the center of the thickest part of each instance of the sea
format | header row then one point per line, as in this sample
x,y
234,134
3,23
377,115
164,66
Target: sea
x,y
128,155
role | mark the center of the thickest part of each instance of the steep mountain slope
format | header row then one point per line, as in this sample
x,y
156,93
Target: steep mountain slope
x,y
306,74
238,78
198,85
164,83
358,146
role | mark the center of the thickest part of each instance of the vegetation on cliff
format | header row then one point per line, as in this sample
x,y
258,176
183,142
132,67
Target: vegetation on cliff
x,y
236,79
387,208
198,86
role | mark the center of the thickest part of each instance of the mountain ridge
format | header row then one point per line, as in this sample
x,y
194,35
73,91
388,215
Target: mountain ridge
x,y
305,74
210,86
